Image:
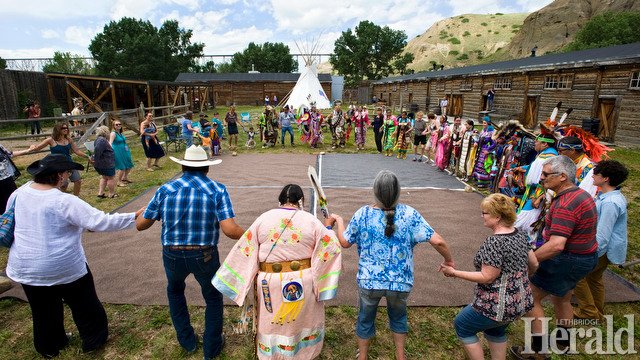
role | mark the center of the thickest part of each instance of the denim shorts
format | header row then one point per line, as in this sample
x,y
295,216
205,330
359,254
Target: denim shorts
x,y
106,171
468,323
396,309
561,273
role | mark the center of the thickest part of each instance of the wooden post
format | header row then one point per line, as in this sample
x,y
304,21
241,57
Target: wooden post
x,y
526,100
149,97
69,100
596,94
113,96
50,88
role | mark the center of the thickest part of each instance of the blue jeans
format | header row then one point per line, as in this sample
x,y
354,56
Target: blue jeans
x,y
287,129
396,309
177,266
188,139
469,322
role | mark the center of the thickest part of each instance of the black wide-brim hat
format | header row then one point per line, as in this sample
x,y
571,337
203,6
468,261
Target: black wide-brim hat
x,y
53,163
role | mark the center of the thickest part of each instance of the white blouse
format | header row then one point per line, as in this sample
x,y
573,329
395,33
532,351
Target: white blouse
x,y
47,249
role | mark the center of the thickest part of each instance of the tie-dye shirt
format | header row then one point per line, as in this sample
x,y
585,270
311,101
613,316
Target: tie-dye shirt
x,y
386,263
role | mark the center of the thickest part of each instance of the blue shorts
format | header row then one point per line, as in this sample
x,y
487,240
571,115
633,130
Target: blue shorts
x,y
468,323
396,309
561,273
106,172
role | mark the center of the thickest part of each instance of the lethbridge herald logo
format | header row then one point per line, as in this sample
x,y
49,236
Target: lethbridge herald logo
x,y
598,341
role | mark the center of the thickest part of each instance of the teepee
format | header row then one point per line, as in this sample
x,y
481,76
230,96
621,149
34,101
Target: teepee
x,y
308,88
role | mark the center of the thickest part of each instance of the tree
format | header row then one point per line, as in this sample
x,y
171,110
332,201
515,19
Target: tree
x,y
607,29
371,52
131,48
208,67
3,63
267,57
64,62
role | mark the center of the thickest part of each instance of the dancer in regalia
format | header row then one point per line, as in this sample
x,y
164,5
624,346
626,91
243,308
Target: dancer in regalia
x,y
390,123
484,158
361,121
532,201
293,261
315,126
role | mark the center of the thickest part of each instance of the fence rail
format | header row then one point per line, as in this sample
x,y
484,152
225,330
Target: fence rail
x,y
101,119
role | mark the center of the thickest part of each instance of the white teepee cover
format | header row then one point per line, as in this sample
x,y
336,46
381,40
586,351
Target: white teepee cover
x,y
307,90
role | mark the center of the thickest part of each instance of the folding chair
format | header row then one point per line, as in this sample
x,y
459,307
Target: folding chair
x,y
90,146
173,137
245,117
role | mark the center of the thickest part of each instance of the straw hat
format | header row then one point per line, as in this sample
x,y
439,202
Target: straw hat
x,y
195,156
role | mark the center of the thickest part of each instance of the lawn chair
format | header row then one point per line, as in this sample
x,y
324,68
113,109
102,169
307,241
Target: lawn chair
x,y
173,137
90,146
245,117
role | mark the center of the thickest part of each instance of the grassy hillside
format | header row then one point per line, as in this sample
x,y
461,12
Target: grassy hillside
x,y
463,40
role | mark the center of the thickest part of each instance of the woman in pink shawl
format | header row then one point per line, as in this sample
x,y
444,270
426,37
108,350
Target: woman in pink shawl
x,y
294,262
361,120
444,142
432,142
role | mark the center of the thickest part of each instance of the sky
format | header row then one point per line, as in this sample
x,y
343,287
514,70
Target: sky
x,y
38,28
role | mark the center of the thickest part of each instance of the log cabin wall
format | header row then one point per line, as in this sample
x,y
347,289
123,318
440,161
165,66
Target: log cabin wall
x,y
597,83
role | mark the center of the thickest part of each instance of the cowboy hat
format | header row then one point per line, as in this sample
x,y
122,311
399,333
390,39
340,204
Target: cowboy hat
x,y
195,156
53,163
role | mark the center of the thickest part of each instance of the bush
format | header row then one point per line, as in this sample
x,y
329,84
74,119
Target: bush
x,y
496,32
478,35
454,52
504,26
465,20
516,26
463,57
466,33
515,31
499,14
484,24
454,41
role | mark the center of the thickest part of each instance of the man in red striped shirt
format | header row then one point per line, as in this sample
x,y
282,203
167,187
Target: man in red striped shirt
x,y
569,251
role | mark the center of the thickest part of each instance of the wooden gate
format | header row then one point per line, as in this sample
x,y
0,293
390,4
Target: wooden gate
x,y
530,111
606,114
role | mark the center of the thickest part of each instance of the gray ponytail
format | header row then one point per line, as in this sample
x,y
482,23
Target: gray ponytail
x,y
386,190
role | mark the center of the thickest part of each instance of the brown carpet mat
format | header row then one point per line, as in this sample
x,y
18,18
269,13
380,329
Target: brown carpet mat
x,y
127,265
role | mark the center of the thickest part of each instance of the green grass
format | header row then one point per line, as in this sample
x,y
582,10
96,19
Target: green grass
x,y
131,337
145,332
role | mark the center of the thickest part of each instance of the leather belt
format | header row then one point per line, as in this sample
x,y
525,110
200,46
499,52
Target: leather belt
x,y
285,266
189,247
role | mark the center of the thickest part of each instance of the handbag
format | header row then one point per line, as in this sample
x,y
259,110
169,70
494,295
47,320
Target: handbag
x,y
7,225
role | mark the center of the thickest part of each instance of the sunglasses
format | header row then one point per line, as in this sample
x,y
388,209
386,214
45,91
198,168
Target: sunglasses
x,y
546,174
64,128
117,124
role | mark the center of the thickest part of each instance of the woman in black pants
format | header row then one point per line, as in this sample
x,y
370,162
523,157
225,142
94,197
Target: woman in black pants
x,y
377,128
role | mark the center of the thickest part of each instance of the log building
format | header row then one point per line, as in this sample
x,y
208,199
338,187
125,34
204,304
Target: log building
x,y
601,84
246,88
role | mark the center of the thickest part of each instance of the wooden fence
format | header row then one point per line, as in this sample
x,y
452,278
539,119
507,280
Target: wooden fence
x,y
85,125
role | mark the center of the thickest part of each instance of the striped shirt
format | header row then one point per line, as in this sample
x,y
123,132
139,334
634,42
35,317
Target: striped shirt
x,y
573,215
190,208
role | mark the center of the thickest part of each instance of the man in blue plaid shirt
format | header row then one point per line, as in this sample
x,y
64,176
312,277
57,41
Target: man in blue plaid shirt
x,y
193,208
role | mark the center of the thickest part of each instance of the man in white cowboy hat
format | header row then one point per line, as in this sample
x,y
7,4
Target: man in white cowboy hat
x,y
192,209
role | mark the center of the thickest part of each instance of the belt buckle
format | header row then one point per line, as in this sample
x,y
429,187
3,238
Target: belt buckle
x,y
277,267
295,265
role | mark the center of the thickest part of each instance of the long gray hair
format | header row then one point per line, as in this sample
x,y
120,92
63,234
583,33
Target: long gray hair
x,y
386,190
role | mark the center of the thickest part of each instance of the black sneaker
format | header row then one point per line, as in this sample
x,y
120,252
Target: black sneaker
x,y
517,353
